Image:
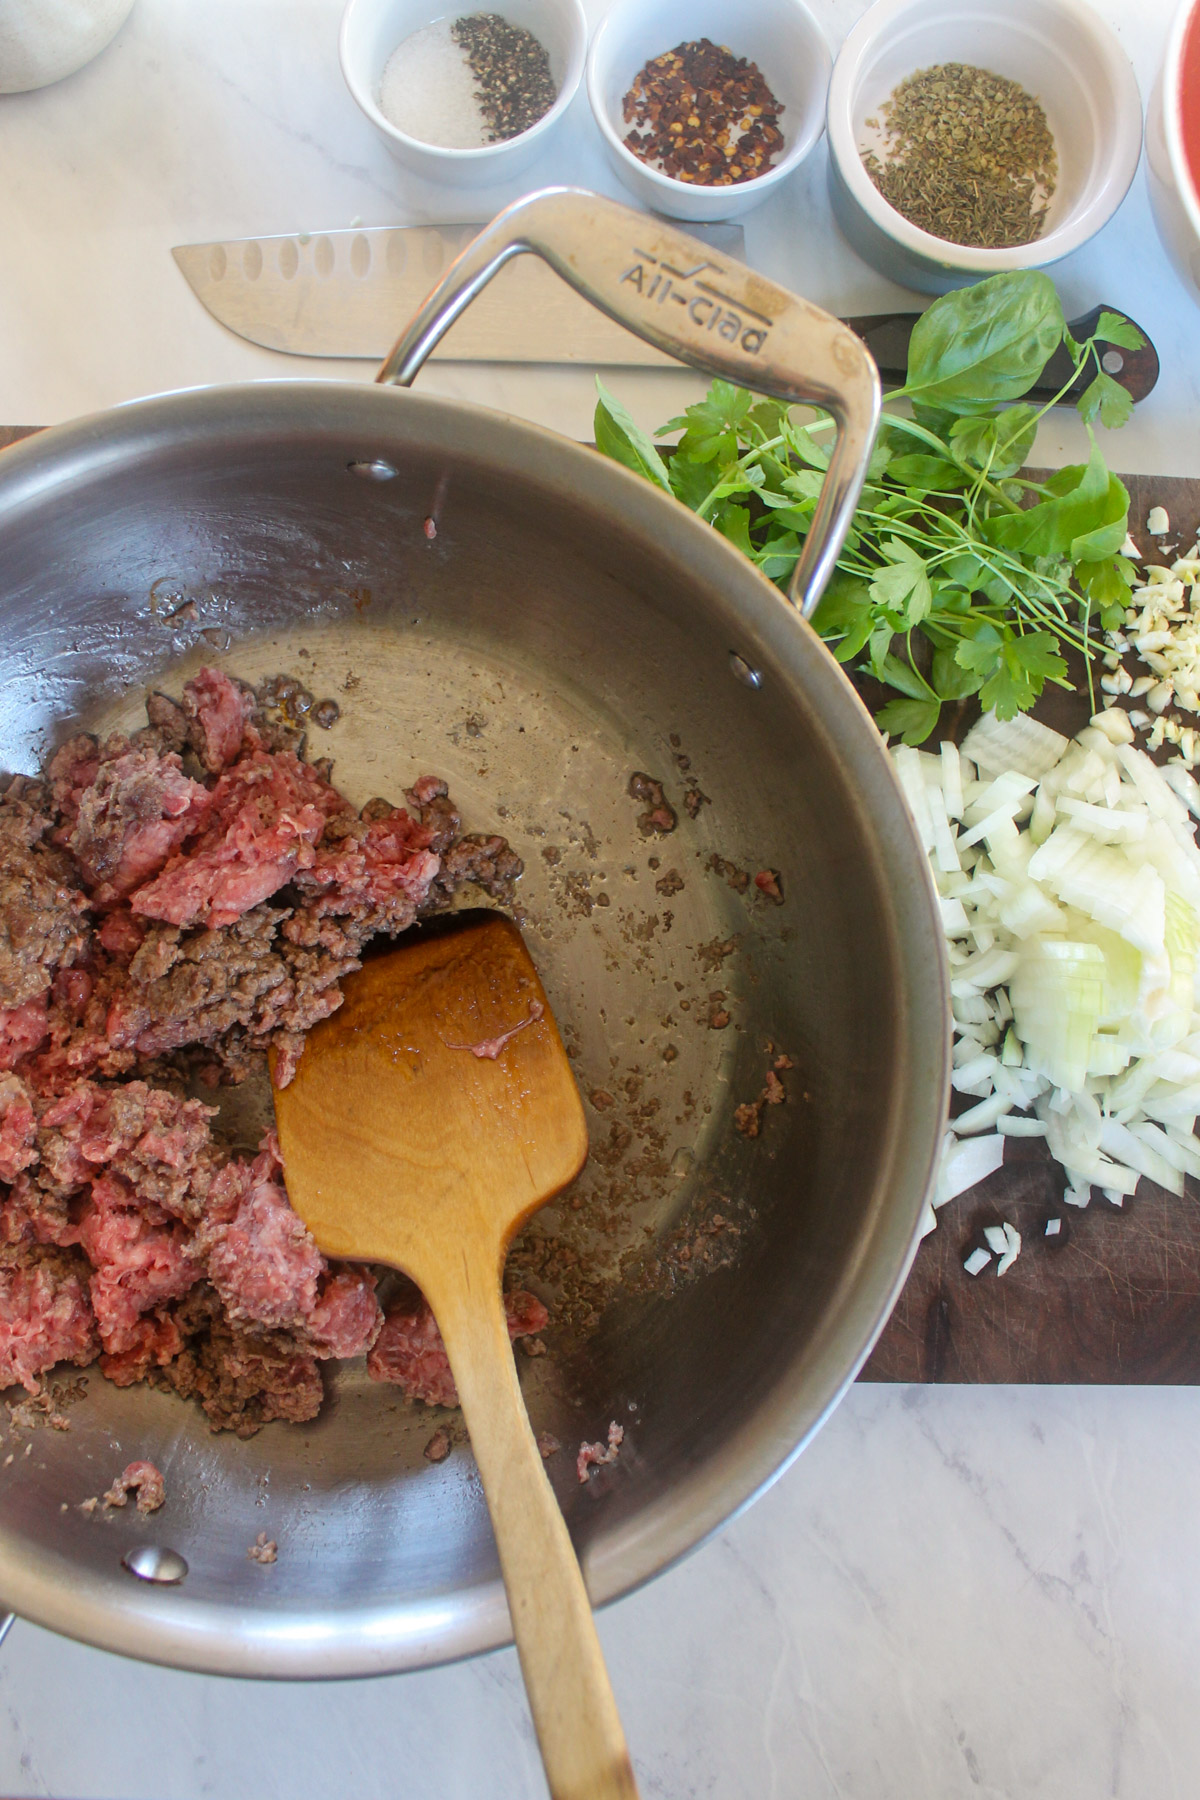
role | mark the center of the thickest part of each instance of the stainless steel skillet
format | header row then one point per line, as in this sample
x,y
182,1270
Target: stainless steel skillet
x,y
566,626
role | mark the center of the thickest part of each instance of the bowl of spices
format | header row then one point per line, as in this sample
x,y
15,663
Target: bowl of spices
x,y
966,138
705,106
466,97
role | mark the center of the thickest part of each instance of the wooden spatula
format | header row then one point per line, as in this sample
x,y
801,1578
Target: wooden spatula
x,y
428,1119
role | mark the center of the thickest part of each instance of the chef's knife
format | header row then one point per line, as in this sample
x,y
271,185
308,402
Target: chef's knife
x,y
349,293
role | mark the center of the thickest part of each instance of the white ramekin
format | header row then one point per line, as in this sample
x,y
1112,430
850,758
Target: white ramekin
x,y
372,30
781,36
1058,50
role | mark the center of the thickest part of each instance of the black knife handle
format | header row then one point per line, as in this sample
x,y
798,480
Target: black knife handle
x,y
886,336
1134,370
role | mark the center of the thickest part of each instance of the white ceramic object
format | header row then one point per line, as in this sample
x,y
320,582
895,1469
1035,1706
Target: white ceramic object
x,y
781,36
373,29
44,40
1058,50
1174,198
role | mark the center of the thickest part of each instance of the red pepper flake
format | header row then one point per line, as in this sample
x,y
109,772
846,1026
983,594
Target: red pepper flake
x,y
704,115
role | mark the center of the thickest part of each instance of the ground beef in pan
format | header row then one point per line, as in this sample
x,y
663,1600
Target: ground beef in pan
x,y
172,906
409,1349
142,1479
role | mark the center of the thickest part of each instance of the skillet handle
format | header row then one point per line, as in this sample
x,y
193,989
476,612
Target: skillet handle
x,y
693,303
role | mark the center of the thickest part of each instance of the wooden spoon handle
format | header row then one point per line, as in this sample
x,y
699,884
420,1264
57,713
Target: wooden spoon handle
x,y
574,1713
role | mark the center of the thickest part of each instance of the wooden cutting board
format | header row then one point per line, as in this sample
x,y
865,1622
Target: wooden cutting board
x,y
1115,1297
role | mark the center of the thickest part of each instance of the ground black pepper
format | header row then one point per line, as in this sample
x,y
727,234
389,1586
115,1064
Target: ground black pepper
x,y
704,115
512,68
969,157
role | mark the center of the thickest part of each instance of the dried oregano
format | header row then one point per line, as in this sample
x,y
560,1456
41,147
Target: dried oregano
x,y
968,156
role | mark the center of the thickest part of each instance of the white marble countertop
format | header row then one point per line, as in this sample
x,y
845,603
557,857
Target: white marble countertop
x,y
985,1592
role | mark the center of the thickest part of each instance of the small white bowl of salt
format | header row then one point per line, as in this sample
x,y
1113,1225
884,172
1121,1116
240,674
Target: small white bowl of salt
x,y
470,98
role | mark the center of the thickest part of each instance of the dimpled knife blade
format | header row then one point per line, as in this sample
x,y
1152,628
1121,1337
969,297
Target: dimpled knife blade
x,y
351,293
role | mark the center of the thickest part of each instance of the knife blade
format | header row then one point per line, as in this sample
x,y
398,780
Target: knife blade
x,y
349,294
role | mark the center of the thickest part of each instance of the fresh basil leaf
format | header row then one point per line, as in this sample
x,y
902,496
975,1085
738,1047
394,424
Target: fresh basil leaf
x,y
1113,329
910,720
619,436
1105,540
933,474
1106,400
1086,507
986,343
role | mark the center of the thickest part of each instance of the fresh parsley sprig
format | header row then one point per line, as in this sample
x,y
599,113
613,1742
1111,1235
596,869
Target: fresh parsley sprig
x,y
960,575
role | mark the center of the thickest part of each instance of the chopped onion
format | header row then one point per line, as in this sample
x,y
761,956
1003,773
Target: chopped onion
x,y
1023,744
1012,1240
1069,881
965,1165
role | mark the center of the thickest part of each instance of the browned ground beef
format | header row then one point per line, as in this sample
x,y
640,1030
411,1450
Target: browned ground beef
x,y
173,905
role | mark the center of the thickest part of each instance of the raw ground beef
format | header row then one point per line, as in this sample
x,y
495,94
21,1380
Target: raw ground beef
x,y
172,906
142,1479
409,1348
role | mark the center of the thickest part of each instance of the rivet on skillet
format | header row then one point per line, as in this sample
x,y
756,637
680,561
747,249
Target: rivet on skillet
x,y
742,670
152,1562
373,471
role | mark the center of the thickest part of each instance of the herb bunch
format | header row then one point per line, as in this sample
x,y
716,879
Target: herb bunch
x,y
960,575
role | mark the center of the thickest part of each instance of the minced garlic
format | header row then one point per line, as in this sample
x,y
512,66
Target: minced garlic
x,y
1163,627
